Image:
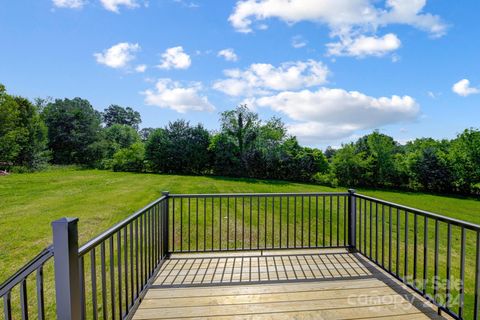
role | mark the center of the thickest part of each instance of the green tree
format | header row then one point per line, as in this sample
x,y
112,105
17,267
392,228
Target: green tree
x,y
350,167
115,114
226,160
23,135
130,159
179,148
465,158
119,136
379,152
74,131
242,127
426,165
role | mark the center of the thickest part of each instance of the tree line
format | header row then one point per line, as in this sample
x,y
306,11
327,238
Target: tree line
x,y
70,131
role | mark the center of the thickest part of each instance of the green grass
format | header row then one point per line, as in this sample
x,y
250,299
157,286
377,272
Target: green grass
x,y
30,202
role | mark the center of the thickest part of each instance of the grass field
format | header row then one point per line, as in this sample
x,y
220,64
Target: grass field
x,y
30,202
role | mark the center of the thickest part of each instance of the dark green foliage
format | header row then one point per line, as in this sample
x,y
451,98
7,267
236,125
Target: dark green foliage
x,y
130,159
23,134
74,131
115,114
350,167
465,159
245,146
179,148
248,147
119,136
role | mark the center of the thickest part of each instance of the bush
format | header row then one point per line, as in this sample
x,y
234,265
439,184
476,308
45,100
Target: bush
x,y
131,159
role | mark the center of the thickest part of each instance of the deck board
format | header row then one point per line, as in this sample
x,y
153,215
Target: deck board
x,y
308,284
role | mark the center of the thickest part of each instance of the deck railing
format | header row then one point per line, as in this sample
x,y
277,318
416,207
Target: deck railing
x,y
436,256
223,222
15,288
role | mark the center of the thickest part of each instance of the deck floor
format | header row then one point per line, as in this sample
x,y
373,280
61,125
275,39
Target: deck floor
x,y
300,284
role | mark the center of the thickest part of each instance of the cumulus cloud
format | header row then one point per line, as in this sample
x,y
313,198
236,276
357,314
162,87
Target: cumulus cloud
x,y
328,114
262,78
363,46
114,5
71,4
172,95
347,19
228,54
463,88
118,56
175,58
339,15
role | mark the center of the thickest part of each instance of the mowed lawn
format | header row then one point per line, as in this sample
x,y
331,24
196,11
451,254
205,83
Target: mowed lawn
x,y
30,202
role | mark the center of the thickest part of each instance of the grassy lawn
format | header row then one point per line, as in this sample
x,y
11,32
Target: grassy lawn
x,y
30,202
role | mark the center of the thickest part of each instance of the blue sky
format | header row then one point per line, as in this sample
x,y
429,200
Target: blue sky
x,y
331,69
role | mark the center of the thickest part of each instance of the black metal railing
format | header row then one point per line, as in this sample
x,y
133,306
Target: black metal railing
x,y
116,267
436,256
15,291
223,222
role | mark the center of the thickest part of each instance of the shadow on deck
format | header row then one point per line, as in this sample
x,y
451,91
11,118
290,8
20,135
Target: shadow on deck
x,y
299,284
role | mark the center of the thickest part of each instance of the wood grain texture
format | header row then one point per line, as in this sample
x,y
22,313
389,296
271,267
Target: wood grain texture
x,y
290,284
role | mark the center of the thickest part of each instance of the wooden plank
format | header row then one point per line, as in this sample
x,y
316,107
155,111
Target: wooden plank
x,y
269,297
263,288
341,294
330,308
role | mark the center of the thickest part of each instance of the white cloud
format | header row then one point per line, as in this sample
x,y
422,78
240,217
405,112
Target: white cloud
x,y
118,56
228,54
261,78
410,12
463,88
114,5
172,95
347,19
339,15
328,114
175,58
363,46
141,68
71,4
298,42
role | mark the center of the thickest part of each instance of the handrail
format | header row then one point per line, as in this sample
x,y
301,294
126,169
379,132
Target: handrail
x,y
105,235
457,222
265,194
26,270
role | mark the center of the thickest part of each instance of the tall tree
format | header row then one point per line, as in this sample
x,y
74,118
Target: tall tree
x,y
379,151
23,135
119,136
115,114
73,131
465,159
242,126
179,148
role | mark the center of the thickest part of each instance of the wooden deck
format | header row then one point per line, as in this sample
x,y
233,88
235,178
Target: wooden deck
x,y
300,284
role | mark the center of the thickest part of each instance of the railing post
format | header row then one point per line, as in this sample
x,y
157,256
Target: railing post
x,y
67,275
165,238
352,217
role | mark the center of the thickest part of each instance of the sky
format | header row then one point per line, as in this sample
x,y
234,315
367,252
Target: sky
x,y
332,70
